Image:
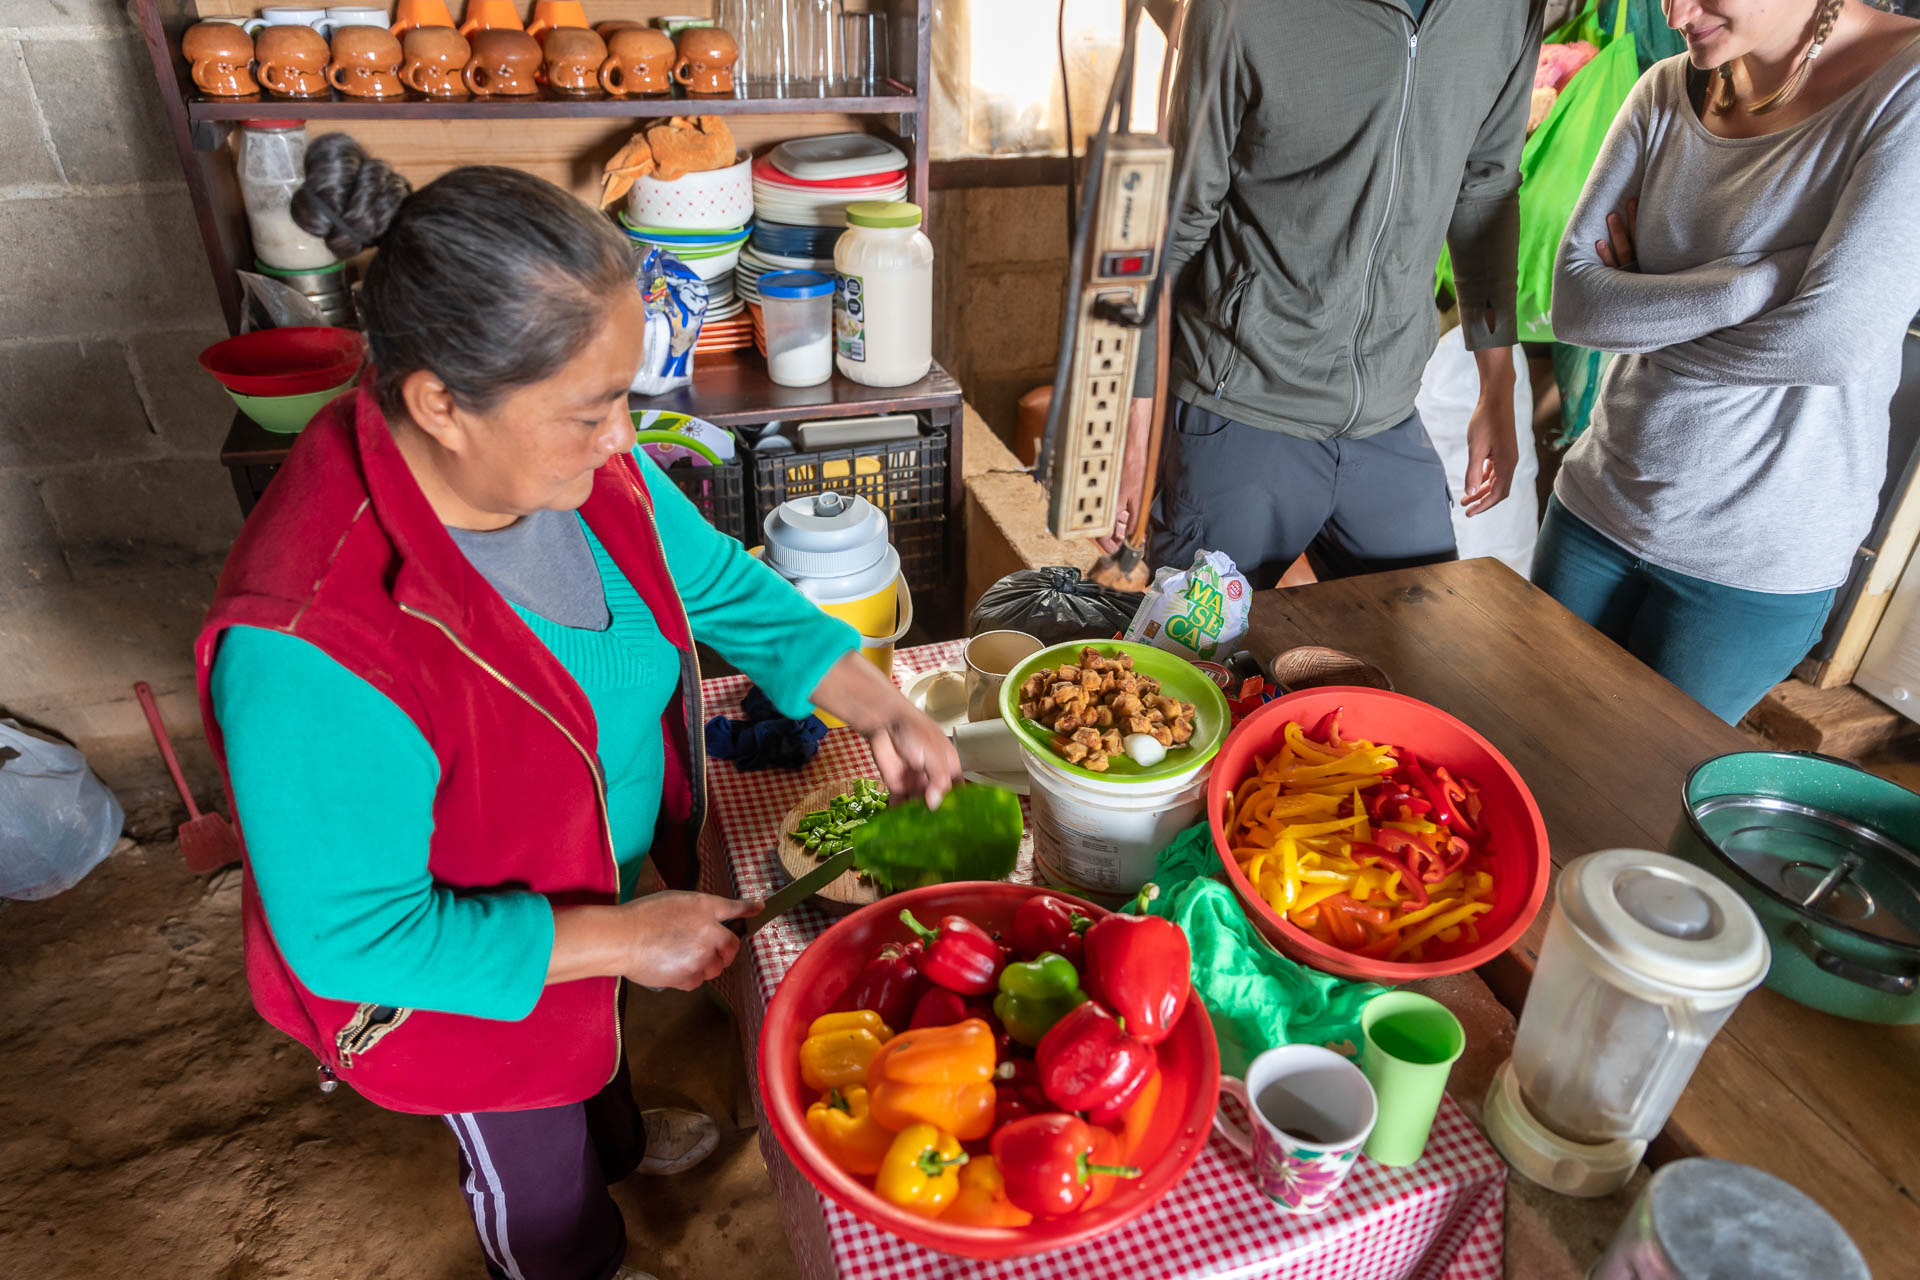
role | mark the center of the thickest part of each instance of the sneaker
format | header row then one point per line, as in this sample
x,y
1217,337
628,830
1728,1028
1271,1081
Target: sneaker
x,y
677,1140
633,1273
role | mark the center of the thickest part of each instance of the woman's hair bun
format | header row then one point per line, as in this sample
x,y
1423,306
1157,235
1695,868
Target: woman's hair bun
x,y
349,198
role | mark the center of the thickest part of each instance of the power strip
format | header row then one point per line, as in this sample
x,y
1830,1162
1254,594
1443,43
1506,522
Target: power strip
x,y
1122,257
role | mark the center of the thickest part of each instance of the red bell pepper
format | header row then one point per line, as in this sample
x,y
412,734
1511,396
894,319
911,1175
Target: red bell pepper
x,y
1416,890
1393,802
1046,923
1140,967
890,985
938,1007
1327,732
1429,790
1017,1092
1114,1108
1087,1059
1048,1164
959,955
1457,799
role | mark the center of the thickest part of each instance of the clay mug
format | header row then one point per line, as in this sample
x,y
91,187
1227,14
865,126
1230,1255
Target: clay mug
x,y
639,60
293,61
574,55
220,53
606,29
490,15
504,64
434,57
366,63
548,15
707,55
414,14
285,15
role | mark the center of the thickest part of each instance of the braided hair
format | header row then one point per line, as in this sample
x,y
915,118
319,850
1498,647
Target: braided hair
x,y
1824,18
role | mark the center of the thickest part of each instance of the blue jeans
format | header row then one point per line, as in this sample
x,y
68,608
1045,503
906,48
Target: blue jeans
x,y
1723,646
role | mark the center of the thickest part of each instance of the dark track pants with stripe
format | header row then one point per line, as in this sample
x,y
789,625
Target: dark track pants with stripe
x,y
536,1183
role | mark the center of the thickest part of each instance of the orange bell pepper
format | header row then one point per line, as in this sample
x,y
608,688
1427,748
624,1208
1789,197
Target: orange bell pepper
x,y
1138,1118
942,1076
843,1123
982,1201
1106,1152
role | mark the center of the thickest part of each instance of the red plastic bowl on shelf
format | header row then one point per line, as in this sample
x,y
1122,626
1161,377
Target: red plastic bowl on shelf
x,y
294,361
1189,1068
1511,818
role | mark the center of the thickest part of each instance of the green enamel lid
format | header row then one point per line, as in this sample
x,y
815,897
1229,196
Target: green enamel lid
x,y
883,213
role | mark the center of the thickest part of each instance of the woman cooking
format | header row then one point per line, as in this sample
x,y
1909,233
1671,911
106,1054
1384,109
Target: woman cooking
x,y
450,675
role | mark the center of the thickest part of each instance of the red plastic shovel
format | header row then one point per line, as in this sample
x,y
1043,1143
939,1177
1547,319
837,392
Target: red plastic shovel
x,y
207,840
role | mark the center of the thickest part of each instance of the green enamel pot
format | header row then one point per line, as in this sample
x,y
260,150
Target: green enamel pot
x,y
1825,853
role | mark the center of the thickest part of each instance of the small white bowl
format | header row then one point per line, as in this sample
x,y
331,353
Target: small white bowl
x,y
715,267
716,198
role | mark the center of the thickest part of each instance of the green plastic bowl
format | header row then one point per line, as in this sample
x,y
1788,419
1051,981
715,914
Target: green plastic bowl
x,y
1178,679
287,415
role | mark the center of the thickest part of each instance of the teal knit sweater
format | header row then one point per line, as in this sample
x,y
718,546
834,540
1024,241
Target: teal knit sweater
x,y
334,784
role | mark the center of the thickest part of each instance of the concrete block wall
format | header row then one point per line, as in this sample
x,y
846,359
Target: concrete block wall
x,y
114,510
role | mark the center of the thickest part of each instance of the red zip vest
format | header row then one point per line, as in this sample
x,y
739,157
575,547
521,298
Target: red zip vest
x,y
345,552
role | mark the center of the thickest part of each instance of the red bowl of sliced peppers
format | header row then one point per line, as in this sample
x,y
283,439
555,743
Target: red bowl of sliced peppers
x,y
1167,1143
1508,836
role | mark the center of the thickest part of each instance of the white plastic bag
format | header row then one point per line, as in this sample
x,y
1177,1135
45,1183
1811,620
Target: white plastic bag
x,y
57,821
1196,612
1449,389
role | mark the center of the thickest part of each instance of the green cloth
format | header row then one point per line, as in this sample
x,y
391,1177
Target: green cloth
x,y
1258,998
335,785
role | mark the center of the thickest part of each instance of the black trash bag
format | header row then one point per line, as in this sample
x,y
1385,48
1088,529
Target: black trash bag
x,y
1053,605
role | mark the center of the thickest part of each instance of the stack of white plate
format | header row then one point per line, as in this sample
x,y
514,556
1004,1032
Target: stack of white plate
x,y
755,263
809,182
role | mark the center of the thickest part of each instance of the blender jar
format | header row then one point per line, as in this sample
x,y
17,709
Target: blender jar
x,y
1645,959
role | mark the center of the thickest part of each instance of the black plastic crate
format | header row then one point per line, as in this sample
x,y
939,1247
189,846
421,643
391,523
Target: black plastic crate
x,y
719,492
906,479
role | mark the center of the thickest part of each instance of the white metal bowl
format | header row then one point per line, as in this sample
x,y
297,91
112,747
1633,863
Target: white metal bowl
x,y
713,200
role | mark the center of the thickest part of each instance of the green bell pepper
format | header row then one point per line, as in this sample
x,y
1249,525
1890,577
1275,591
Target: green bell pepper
x,y
1035,995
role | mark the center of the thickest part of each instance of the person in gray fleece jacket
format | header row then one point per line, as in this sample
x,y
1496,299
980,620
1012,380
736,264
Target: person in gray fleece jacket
x,y
1336,146
1748,243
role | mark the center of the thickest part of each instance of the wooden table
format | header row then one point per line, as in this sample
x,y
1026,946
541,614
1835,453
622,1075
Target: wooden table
x,y
1605,745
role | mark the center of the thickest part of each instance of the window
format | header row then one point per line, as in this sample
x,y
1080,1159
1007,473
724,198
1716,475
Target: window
x,y
996,75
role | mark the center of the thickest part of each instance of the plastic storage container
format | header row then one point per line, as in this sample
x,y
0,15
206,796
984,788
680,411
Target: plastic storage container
x,y
797,308
271,157
1645,959
1707,1219
883,302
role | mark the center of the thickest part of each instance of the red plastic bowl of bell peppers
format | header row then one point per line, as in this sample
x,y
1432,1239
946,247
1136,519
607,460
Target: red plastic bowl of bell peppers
x,y
1005,1113
1508,842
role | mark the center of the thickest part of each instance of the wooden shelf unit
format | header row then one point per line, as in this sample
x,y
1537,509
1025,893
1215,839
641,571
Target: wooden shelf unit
x,y
565,139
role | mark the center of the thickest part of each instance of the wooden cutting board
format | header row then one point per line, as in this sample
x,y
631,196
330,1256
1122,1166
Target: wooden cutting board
x,y
850,891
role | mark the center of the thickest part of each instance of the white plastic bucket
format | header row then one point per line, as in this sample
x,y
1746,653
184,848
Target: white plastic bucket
x,y
1100,839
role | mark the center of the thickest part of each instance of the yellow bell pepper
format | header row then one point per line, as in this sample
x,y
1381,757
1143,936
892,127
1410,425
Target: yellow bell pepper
x,y
942,1076
843,1123
982,1198
920,1171
839,1048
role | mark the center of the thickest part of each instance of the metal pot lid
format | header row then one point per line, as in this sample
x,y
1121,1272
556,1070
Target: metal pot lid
x,y
1841,871
1716,1220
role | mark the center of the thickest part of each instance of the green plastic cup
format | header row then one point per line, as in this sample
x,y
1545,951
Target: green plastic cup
x,y
1408,1045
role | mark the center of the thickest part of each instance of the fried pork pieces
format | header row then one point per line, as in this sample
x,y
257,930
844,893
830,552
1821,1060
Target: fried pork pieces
x,y
1091,707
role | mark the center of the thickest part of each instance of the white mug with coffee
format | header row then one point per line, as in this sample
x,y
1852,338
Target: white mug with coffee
x,y
1310,1111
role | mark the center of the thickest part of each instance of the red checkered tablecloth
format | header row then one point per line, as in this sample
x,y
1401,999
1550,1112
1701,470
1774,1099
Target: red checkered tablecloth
x,y
1439,1220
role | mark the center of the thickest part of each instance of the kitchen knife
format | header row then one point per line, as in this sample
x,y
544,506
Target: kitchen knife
x,y
797,892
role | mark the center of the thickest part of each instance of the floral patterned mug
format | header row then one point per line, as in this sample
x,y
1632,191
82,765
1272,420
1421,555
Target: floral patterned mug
x,y
1310,1112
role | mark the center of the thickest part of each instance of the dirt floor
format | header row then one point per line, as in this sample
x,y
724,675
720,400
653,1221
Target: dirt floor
x,y
152,1125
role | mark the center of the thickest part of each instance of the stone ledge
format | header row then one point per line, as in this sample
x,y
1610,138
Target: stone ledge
x,y
1006,519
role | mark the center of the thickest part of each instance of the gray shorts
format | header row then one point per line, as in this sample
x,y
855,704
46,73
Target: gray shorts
x,y
1261,497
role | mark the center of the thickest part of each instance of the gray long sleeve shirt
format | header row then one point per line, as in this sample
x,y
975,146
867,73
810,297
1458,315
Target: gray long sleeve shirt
x,y
1335,146
1741,435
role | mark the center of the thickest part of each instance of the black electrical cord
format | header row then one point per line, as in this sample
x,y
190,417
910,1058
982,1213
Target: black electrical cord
x,y
1066,106
1083,226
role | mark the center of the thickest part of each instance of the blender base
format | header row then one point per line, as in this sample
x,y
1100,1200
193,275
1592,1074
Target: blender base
x,y
1543,1156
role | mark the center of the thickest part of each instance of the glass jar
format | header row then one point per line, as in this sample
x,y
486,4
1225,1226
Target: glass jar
x,y
271,156
883,297
1645,959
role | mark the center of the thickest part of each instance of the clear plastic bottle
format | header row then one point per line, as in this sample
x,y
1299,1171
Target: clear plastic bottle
x,y
883,295
271,156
